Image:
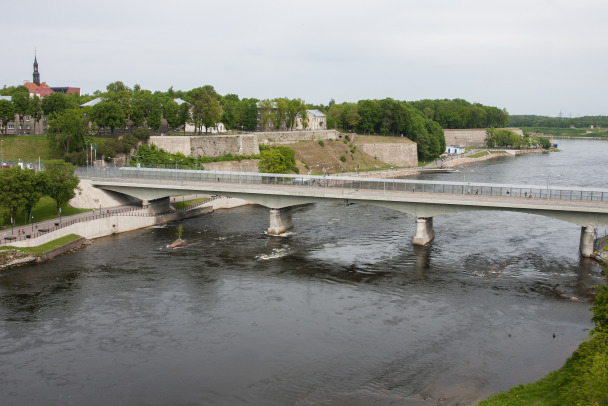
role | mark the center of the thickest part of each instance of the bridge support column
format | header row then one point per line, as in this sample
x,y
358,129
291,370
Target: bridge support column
x,y
587,240
280,221
158,205
424,231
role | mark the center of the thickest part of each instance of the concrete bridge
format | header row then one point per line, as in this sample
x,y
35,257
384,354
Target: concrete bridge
x,y
586,207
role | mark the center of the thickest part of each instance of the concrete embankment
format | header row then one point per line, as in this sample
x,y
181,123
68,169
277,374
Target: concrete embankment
x,y
9,259
104,226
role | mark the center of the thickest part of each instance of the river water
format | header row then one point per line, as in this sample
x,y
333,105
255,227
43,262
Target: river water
x,y
344,310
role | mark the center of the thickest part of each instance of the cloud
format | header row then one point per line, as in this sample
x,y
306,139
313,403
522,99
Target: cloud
x,y
530,57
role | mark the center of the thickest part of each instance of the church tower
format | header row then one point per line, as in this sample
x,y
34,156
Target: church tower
x,y
36,74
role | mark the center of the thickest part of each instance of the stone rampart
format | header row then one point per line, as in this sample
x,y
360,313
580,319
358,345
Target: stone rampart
x,y
243,144
399,154
173,144
246,165
474,137
290,137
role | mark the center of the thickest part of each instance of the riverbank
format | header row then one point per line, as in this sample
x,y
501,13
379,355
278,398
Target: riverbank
x,y
13,256
601,251
463,160
100,225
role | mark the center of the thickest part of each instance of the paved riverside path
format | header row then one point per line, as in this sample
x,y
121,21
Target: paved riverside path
x,y
36,226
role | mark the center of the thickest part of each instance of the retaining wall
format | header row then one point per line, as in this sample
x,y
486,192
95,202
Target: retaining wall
x,y
108,225
474,137
399,154
242,144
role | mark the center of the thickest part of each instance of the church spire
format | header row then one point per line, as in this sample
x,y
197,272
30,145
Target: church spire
x,y
36,78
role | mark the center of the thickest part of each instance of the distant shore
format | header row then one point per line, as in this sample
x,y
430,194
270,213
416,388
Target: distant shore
x,y
453,162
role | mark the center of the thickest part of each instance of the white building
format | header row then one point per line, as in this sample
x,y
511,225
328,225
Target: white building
x,y
455,149
315,119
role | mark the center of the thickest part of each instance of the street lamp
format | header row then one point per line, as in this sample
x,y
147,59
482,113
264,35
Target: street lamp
x,y
32,220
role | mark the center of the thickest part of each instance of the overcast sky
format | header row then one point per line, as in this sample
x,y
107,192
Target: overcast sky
x,y
530,57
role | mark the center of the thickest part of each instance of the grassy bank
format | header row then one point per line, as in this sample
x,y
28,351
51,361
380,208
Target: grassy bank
x,y
46,209
583,380
29,148
41,249
187,203
567,132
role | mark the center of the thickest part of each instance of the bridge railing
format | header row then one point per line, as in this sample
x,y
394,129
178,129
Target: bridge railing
x,y
178,176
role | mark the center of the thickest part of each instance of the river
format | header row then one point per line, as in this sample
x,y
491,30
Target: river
x,y
344,310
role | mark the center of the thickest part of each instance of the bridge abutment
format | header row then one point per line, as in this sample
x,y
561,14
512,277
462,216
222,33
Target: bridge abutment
x,y
587,240
280,221
424,231
158,205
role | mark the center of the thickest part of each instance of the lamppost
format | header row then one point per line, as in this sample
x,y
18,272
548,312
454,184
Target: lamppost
x,y
32,220
2,153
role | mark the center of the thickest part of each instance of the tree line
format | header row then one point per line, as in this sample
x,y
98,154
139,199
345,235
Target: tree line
x,y
71,127
557,122
21,189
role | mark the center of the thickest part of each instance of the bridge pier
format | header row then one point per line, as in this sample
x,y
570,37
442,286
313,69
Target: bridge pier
x,y
280,221
158,205
424,231
587,240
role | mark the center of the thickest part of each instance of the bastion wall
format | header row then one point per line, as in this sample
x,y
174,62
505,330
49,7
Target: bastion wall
x,y
398,154
471,137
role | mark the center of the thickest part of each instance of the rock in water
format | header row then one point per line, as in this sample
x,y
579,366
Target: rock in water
x,y
178,243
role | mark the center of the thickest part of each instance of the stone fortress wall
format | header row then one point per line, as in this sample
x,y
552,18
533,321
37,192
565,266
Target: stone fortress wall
x,y
398,154
244,144
471,137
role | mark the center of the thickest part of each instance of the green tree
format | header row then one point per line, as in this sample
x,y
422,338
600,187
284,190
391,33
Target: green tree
x,y
119,93
35,110
183,115
206,110
54,104
13,185
247,113
277,160
295,108
108,113
66,131
21,102
62,183
7,113
171,113
600,307
229,104
267,116
35,186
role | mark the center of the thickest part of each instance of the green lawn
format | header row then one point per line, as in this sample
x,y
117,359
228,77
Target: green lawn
x,y
29,148
41,249
188,203
478,155
45,210
26,148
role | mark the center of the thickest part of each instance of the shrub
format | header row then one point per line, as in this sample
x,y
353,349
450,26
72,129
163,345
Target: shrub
x,y
321,143
128,143
342,158
78,158
347,137
142,134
